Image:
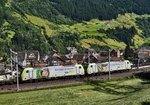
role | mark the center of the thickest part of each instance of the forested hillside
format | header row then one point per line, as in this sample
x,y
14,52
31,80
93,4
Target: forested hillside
x,y
48,25
102,9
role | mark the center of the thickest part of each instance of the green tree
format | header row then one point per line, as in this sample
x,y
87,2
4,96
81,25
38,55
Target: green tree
x,y
127,53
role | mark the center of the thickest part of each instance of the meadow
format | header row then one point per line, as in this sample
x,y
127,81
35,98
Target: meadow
x,y
129,91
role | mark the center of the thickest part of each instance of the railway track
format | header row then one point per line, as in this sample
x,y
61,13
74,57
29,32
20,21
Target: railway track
x,y
71,80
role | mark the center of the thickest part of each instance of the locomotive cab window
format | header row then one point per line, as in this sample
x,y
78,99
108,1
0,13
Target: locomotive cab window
x,y
79,67
91,66
27,71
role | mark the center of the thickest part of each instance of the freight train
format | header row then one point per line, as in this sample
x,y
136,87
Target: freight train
x,y
65,71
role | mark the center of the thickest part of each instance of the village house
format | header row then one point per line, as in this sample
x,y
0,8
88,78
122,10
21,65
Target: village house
x,y
28,58
91,56
115,54
144,55
58,59
78,58
1,66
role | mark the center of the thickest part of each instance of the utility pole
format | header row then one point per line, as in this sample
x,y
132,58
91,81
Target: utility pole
x,y
11,61
138,63
16,61
88,63
88,56
17,73
109,76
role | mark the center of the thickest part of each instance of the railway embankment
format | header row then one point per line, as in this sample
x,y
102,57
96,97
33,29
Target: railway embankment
x,y
143,73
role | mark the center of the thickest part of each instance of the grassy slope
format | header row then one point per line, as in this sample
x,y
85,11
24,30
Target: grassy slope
x,y
91,28
49,27
120,92
87,28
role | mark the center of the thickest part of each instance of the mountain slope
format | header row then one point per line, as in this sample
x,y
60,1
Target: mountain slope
x,y
83,9
56,24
